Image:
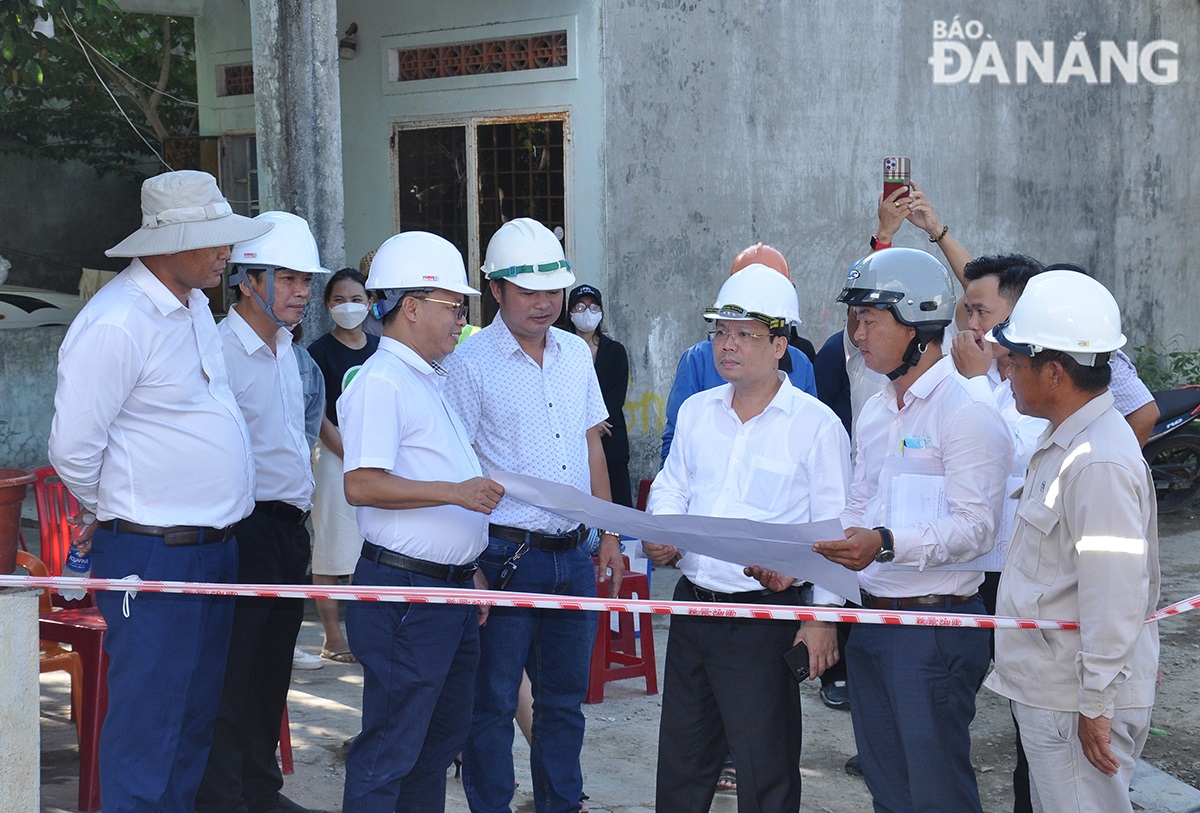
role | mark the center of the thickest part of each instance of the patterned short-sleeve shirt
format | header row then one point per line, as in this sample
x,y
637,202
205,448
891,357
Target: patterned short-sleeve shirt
x,y
527,418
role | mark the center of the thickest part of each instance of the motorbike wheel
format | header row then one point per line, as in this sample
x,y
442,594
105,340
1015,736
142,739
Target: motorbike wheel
x,y
1175,466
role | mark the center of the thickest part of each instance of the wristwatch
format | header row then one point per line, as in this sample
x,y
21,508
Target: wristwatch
x,y
887,552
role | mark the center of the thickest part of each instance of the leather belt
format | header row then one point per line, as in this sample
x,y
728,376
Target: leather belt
x,y
748,597
456,574
871,602
282,510
176,536
547,542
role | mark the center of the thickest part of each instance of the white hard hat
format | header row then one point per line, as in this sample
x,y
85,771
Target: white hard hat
x,y
910,283
1065,311
418,259
527,254
290,244
757,292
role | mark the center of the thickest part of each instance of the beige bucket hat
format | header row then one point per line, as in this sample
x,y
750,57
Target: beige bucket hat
x,y
182,211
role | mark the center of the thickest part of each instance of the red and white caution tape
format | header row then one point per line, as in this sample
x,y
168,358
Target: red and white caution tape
x,y
1175,609
449,595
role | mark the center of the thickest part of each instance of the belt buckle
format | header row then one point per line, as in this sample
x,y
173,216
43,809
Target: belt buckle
x,y
704,595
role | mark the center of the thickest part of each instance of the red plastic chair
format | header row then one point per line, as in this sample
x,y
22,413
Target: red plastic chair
x,y
644,493
55,505
621,647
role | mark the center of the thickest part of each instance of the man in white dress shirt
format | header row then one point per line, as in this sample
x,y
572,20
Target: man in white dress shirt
x,y
756,448
912,698
529,398
271,277
147,435
422,505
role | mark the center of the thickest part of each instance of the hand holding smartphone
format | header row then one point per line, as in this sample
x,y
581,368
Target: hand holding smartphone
x,y
897,172
797,660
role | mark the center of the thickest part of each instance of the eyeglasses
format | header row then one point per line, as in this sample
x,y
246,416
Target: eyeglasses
x,y
580,307
743,336
460,308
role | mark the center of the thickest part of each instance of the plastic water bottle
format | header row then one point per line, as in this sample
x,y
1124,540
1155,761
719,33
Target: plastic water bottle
x,y
79,566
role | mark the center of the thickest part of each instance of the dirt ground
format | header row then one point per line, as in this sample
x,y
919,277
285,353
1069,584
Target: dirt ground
x,y
622,734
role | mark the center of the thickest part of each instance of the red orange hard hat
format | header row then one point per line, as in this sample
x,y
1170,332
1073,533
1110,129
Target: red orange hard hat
x,y
764,255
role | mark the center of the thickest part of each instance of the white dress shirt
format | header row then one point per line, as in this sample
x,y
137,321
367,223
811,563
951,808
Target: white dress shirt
x,y
393,416
1024,430
966,441
527,418
789,464
864,382
267,387
145,426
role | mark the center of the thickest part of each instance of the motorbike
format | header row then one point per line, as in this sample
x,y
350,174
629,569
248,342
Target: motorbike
x,y
1173,450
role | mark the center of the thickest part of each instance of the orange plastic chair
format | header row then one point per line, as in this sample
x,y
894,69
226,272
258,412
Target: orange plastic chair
x,y
53,657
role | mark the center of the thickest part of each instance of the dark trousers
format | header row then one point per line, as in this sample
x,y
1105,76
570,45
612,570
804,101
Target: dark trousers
x,y
243,774
912,701
726,682
419,664
167,658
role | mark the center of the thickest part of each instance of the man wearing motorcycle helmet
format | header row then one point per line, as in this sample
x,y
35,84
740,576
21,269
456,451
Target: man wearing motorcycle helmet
x,y
912,698
1084,548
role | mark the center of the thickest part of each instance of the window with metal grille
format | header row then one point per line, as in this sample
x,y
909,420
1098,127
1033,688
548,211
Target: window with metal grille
x,y
235,80
462,180
544,50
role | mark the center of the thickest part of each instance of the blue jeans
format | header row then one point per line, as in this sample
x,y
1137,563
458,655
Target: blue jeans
x,y
555,648
912,699
166,669
418,681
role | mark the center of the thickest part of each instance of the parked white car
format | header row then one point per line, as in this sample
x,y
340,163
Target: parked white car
x,y
36,307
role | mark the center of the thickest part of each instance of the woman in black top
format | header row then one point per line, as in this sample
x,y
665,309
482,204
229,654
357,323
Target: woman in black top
x,y
336,540
585,307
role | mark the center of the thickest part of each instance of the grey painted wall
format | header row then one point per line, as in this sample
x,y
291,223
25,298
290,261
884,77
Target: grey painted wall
x,y
734,122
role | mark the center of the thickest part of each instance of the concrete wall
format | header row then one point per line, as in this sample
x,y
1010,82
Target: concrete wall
x,y
734,122
28,370
58,218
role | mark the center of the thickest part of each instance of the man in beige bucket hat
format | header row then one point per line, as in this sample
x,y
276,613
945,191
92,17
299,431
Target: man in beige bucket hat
x,y
148,436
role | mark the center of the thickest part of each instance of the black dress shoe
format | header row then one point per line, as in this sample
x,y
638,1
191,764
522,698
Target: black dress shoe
x,y
854,766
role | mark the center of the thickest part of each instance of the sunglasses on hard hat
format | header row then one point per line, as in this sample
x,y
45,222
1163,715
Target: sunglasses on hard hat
x,y
738,312
1012,347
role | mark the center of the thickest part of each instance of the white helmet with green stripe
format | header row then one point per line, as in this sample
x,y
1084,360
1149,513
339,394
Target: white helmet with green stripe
x,y
528,255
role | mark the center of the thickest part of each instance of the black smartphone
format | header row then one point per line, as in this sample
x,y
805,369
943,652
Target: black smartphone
x,y
797,660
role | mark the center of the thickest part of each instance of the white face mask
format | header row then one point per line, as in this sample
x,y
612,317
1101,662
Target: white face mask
x,y
587,321
349,315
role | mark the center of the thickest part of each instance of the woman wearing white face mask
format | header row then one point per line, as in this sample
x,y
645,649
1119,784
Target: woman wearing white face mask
x,y
336,540
585,307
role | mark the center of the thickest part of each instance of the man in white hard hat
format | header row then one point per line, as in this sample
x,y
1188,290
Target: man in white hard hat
x,y
148,436
1085,549
271,277
529,398
912,698
757,448
422,505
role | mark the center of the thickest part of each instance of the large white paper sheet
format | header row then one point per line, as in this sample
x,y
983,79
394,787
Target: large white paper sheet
x,y
784,548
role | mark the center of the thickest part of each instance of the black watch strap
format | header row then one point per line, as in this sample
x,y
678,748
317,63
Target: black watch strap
x,y
888,551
